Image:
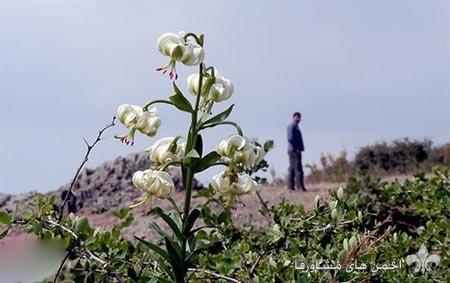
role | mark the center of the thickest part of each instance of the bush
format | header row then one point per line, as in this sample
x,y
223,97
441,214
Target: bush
x,y
370,222
381,159
400,156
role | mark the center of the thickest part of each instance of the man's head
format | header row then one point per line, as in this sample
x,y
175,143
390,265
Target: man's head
x,y
297,117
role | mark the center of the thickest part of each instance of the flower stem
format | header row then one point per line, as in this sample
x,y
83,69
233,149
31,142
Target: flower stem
x,y
147,105
188,172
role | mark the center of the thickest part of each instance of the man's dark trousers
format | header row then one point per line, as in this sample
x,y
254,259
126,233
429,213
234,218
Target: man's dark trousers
x,y
295,172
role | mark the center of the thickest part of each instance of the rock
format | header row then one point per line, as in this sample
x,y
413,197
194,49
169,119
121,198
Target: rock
x,y
105,188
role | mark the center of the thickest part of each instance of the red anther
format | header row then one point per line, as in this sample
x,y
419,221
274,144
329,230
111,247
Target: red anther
x,y
127,142
159,69
171,75
132,143
176,76
165,71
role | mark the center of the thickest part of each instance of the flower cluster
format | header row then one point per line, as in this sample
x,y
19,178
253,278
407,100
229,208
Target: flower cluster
x,y
153,184
179,47
208,86
239,149
135,118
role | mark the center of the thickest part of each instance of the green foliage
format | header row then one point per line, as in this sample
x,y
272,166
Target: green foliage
x,y
368,222
371,223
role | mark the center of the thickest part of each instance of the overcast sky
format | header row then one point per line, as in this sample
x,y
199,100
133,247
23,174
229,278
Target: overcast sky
x,y
358,72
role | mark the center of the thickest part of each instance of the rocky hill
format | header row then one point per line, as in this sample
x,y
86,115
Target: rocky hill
x,y
101,189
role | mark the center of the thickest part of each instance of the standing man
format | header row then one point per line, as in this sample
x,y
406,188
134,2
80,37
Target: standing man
x,y
295,148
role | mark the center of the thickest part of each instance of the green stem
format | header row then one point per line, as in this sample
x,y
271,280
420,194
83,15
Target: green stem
x,y
164,167
205,115
188,175
147,105
238,128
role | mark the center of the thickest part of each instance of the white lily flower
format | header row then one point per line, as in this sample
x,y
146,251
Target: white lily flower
x,y
149,122
233,185
194,54
239,149
175,46
165,151
129,114
172,45
154,183
246,155
135,118
192,84
219,91
228,147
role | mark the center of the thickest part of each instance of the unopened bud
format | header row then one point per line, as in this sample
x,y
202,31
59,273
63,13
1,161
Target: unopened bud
x,y
360,216
334,214
316,202
353,242
340,193
346,245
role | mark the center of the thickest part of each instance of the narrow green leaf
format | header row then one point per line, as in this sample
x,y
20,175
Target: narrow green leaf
x,y
192,154
4,233
158,229
14,214
154,248
4,218
199,145
180,101
175,206
192,257
132,273
174,255
219,117
169,221
207,161
191,220
163,280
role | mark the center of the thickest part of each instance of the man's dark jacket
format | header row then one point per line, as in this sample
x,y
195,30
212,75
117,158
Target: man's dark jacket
x,y
295,140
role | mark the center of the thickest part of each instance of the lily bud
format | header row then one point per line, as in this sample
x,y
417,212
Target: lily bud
x,y
345,245
360,216
340,193
334,214
316,202
353,242
165,150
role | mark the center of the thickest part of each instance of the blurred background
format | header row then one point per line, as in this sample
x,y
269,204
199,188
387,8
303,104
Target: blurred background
x,y
359,72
